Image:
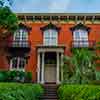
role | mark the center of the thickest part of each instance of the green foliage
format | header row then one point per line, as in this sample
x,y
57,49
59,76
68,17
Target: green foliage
x,y
79,92
16,91
97,75
8,22
15,76
28,76
80,67
3,76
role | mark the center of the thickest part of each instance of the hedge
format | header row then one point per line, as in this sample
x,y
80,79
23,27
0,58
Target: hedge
x,y
18,91
79,92
15,76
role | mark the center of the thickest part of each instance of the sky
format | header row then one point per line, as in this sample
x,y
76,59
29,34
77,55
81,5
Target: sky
x,y
56,6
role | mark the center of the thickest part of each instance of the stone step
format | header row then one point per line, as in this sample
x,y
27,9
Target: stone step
x,y
50,92
49,97
50,87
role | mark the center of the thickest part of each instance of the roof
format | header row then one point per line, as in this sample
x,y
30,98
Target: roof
x,y
60,14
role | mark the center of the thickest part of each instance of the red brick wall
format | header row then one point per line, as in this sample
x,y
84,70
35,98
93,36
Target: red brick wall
x,y
64,37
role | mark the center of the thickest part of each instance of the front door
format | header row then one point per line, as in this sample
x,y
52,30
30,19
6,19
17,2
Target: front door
x,y
50,67
50,73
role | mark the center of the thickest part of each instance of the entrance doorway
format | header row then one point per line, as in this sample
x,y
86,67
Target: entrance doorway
x,y
50,67
49,62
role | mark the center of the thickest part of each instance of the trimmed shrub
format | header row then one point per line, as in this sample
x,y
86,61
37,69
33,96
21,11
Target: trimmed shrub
x,y
3,76
16,91
28,77
79,92
15,76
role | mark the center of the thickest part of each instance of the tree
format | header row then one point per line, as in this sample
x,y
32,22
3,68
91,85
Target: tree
x,y
8,21
98,60
8,24
2,2
80,67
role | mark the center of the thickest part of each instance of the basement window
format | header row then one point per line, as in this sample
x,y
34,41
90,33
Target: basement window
x,y
17,63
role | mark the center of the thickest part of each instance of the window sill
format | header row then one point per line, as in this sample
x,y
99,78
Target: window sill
x,y
17,70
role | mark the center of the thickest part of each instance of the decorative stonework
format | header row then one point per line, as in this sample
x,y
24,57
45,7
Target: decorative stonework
x,y
50,26
69,18
80,26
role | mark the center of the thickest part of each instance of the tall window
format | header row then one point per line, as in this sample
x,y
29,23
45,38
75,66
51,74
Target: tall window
x,y
21,38
50,37
80,38
17,63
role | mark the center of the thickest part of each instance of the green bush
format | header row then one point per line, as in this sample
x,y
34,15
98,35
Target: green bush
x,y
15,76
28,77
95,82
79,92
3,76
16,91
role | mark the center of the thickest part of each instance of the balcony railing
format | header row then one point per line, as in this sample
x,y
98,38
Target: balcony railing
x,y
20,44
83,44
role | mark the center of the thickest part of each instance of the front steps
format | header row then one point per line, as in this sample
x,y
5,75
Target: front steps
x,y
50,91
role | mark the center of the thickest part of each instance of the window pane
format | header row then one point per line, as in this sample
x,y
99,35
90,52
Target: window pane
x,y
25,36
46,41
80,38
50,37
21,35
14,63
76,35
18,63
83,35
53,41
21,63
46,34
21,38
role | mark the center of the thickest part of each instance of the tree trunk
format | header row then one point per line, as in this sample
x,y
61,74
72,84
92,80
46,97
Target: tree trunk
x,y
3,56
3,33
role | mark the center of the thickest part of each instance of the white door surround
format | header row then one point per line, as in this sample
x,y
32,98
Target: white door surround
x,y
41,65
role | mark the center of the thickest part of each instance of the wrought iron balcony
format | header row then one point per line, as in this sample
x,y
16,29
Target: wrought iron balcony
x,y
83,44
19,46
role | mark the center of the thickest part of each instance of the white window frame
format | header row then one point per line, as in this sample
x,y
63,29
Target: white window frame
x,y
80,38
50,37
18,63
22,37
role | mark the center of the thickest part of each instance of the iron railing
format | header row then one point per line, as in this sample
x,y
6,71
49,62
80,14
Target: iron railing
x,y
19,44
80,44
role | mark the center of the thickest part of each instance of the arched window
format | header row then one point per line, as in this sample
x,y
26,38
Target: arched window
x,y
50,37
21,35
20,38
80,38
80,35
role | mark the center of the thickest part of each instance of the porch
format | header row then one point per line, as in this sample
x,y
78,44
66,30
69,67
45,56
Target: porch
x,y
49,62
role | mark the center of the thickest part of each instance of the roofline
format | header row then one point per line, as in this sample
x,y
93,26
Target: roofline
x,y
59,14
